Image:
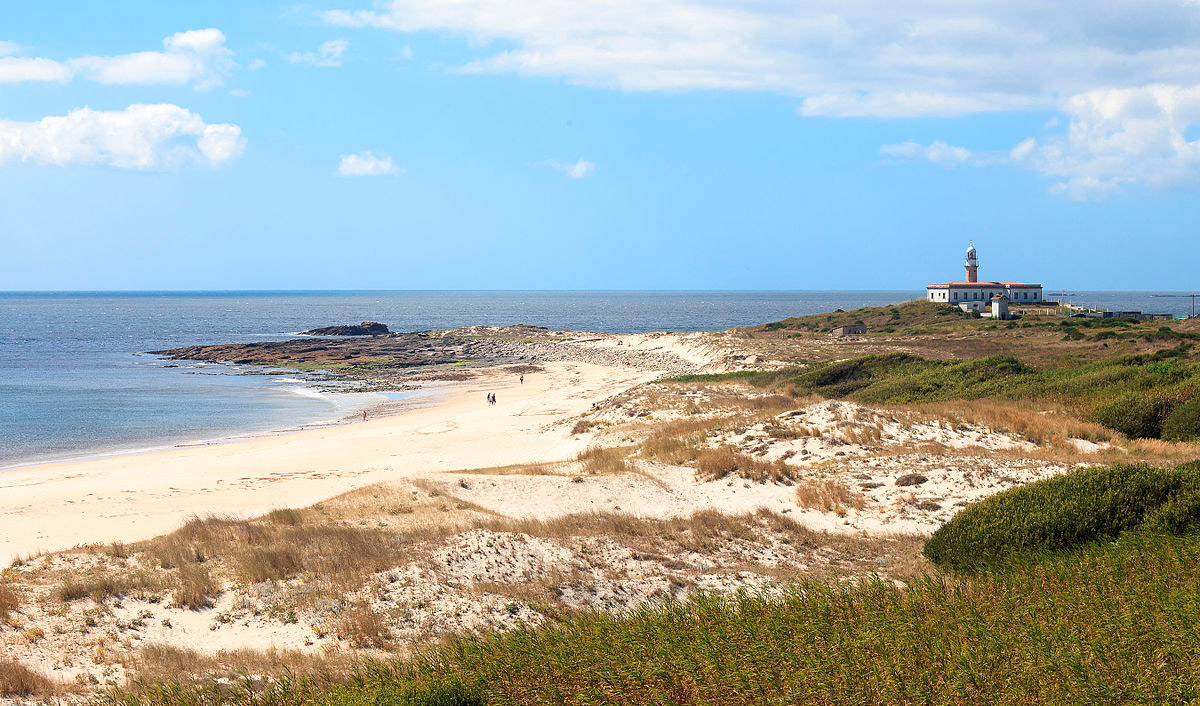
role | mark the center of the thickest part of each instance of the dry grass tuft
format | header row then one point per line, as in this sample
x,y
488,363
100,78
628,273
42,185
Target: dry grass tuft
x,y
18,680
105,585
196,588
716,463
285,516
604,461
9,600
828,495
158,664
269,563
583,426
363,627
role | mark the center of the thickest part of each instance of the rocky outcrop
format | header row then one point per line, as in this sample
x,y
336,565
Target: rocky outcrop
x,y
366,328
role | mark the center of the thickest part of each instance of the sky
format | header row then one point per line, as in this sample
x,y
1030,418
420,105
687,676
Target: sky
x,y
598,144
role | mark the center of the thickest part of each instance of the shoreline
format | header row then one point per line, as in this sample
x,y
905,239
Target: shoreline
x,y
134,496
379,408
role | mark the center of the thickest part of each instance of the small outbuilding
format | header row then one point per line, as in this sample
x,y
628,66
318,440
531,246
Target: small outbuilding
x,y
1000,307
848,330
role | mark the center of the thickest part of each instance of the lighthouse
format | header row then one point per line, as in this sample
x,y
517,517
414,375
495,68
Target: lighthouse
x,y
972,264
973,295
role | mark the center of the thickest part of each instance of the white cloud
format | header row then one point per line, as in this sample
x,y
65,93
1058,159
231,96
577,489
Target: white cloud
x,y
329,55
256,65
14,69
859,59
574,170
140,137
938,153
366,164
1115,138
844,58
7,48
197,57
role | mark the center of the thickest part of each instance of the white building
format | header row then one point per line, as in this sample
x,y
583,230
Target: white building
x,y
973,295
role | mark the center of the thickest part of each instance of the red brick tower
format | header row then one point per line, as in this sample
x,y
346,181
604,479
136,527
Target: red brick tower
x,y
972,264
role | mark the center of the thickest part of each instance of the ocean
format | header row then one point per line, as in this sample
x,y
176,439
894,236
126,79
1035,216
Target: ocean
x,y
75,378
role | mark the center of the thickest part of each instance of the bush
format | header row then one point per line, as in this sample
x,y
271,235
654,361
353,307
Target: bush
x,y
1058,513
1183,423
1134,414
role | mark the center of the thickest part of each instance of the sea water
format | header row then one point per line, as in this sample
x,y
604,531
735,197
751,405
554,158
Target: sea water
x,y
75,378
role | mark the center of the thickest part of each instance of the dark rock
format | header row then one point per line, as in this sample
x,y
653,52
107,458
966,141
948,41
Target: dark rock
x,y
911,479
366,328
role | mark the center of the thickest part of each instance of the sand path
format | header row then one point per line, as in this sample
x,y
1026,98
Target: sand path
x,y
137,496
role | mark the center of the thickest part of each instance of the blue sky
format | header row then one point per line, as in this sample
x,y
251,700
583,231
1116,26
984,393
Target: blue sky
x,y
663,144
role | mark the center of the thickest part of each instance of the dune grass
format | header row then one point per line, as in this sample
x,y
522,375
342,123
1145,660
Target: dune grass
x,y
1110,623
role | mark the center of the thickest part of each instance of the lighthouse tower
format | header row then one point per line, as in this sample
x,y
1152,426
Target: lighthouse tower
x,y
972,264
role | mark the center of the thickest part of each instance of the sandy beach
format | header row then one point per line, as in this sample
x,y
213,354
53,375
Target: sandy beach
x,y
130,497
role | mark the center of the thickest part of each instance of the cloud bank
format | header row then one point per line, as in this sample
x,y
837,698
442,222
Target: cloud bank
x,y
1124,71
140,137
1115,137
197,57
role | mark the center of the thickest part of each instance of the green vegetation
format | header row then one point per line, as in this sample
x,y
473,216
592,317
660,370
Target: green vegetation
x,y
1062,512
911,313
1183,423
714,377
1108,623
1135,394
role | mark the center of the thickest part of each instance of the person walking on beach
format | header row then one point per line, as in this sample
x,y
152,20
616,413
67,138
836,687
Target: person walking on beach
x,y
364,415
522,379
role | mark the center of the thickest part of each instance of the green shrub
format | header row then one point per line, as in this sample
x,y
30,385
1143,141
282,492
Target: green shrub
x,y
1183,423
1137,415
1058,513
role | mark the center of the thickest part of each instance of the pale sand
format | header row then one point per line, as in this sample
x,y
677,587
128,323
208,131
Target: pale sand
x,y
138,496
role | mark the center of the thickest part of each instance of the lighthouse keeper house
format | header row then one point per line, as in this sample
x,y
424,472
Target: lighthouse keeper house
x,y
973,295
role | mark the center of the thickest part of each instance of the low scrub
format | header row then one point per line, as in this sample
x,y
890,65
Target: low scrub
x,y
1059,513
1183,423
1110,624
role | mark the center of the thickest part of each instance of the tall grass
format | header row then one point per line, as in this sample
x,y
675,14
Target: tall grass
x,y
1111,623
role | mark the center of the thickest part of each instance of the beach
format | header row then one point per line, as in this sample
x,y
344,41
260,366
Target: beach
x,y
446,426
130,497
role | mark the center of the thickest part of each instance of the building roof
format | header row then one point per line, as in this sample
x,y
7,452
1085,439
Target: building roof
x,y
982,284
999,297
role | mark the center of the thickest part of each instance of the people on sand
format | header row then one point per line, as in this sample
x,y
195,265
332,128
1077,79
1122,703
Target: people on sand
x,y
522,379
364,415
